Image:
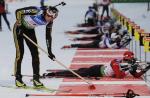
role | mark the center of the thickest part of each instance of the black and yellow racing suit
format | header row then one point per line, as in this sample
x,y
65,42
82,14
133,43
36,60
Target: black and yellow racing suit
x,y
29,18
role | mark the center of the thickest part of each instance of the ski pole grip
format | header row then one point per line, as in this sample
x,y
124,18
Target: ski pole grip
x,y
62,3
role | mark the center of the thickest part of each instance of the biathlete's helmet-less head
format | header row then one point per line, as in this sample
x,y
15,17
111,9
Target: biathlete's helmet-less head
x,y
52,12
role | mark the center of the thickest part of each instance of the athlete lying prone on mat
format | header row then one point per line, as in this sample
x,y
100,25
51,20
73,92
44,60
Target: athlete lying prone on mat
x,y
117,69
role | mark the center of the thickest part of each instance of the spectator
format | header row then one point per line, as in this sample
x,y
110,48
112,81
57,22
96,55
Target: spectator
x,y
105,4
3,13
91,16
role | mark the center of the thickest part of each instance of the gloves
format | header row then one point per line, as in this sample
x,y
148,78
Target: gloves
x,y
133,68
132,62
51,55
19,32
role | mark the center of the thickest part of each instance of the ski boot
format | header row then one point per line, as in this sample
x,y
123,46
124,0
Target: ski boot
x,y
19,82
36,82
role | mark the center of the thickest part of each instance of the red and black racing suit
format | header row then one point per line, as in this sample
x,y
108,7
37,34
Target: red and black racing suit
x,y
98,71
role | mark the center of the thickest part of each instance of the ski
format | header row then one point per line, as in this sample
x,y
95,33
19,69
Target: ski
x,y
88,78
45,89
55,70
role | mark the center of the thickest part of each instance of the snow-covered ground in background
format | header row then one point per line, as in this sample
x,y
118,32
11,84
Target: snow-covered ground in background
x,y
137,12
69,16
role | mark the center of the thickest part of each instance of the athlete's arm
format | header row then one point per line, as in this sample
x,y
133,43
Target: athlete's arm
x,y
48,35
117,72
49,40
32,10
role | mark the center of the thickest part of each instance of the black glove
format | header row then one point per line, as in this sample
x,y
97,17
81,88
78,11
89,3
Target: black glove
x,y
148,63
133,68
19,33
19,27
133,61
51,55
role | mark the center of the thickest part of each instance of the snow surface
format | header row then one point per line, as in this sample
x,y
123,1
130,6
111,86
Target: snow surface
x,y
69,16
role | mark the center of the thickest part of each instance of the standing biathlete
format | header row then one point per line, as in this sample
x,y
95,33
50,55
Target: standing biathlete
x,y
26,20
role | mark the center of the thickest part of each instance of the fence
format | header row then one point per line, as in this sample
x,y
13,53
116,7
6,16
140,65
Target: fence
x,y
140,43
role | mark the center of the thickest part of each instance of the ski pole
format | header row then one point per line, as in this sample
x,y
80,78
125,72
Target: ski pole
x,y
79,94
129,94
91,85
61,3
